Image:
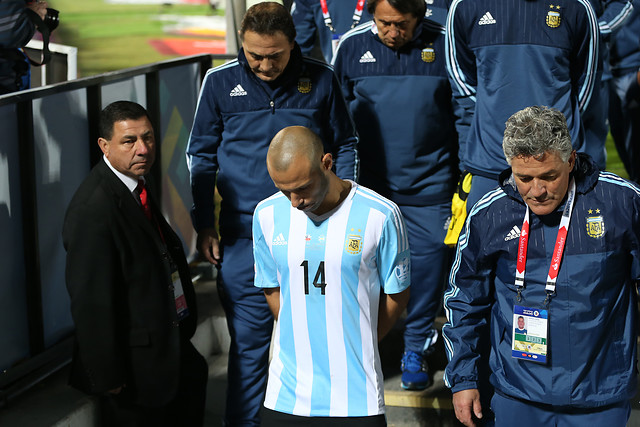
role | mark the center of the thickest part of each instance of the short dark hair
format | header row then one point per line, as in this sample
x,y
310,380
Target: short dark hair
x,y
417,8
116,112
267,18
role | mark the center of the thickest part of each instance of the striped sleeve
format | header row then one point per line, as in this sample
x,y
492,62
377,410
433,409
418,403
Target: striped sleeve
x,y
468,300
588,55
459,57
615,14
394,262
265,267
16,29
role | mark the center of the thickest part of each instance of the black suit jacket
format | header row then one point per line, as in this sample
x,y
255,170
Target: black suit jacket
x,y
118,275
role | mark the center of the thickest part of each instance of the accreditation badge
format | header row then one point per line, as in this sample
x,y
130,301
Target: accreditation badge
x,y
178,293
335,41
530,334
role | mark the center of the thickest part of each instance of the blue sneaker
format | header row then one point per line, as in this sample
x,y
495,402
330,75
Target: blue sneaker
x,y
415,375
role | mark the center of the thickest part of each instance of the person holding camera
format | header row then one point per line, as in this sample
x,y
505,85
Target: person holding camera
x,y
18,22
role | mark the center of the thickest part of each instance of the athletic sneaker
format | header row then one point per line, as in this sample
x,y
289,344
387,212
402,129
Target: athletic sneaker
x,y
415,374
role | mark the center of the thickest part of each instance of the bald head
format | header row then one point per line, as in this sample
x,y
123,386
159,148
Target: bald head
x,y
302,172
292,145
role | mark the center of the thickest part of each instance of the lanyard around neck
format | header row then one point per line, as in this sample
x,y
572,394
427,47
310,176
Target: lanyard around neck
x,y
558,249
357,14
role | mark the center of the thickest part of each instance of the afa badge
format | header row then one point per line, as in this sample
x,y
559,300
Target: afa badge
x,y
304,85
595,225
353,244
553,16
428,54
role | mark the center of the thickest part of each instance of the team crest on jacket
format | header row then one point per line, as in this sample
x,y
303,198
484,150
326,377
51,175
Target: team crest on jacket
x,y
353,244
553,16
428,54
595,224
304,85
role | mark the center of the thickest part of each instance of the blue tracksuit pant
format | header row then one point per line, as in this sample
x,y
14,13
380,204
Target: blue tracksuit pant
x,y
596,128
512,412
624,118
429,267
250,325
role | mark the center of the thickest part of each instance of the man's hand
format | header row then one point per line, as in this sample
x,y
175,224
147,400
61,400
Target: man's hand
x,y
39,7
209,245
116,390
466,404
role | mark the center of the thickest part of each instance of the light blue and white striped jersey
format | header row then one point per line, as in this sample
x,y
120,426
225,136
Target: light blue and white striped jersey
x,y
330,271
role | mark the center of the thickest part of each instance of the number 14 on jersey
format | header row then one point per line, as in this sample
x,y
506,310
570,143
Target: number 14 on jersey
x,y
318,280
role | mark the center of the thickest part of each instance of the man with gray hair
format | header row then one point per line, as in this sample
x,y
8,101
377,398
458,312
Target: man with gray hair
x,y
558,244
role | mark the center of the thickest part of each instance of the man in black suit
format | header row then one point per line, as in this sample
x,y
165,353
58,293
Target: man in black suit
x,y
132,300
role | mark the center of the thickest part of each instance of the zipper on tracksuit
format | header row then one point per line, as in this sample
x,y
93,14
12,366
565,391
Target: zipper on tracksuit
x,y
260,83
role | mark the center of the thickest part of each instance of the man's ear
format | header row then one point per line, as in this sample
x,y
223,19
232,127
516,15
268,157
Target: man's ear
x,y
104,146
572,160
327,161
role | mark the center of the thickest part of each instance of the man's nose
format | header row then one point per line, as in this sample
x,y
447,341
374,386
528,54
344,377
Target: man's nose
x,y
296,200
141,147
538,188
265,64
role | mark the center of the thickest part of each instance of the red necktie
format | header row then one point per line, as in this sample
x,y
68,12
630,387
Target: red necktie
x,y
144,201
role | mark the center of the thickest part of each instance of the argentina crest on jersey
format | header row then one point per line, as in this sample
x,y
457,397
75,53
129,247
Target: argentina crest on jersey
x,y
595,224
553,16
428,53
353,243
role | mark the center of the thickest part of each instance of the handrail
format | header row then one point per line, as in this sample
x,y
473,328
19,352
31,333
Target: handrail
x,y
111,76
28,144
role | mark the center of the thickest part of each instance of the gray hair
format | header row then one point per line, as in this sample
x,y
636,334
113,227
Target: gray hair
x,y
534,131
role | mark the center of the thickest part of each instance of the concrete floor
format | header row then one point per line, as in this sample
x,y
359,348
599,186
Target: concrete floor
x,y
54,403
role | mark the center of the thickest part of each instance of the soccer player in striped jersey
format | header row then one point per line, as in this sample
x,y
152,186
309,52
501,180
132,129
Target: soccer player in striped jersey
x,y
333,260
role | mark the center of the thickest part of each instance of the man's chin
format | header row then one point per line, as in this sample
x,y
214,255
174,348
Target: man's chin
x,y
394,44
542,208
140,171
267,77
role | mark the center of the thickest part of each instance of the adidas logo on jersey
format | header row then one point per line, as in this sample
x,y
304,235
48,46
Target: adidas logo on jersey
x,y
486,19
279,240
238,91
367,57
513,234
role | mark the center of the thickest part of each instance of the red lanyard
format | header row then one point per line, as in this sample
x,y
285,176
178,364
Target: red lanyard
x,y
357,14
558,249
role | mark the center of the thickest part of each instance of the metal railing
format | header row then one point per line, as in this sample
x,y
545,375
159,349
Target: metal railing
x,y
48,145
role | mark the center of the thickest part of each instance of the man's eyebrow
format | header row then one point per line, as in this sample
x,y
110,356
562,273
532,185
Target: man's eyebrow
x,y
269,55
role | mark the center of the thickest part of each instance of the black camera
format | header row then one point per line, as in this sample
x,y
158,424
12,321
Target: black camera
x,y
45,26
51,19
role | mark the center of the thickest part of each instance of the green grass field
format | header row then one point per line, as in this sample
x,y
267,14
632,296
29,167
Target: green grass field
x,y
110,37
